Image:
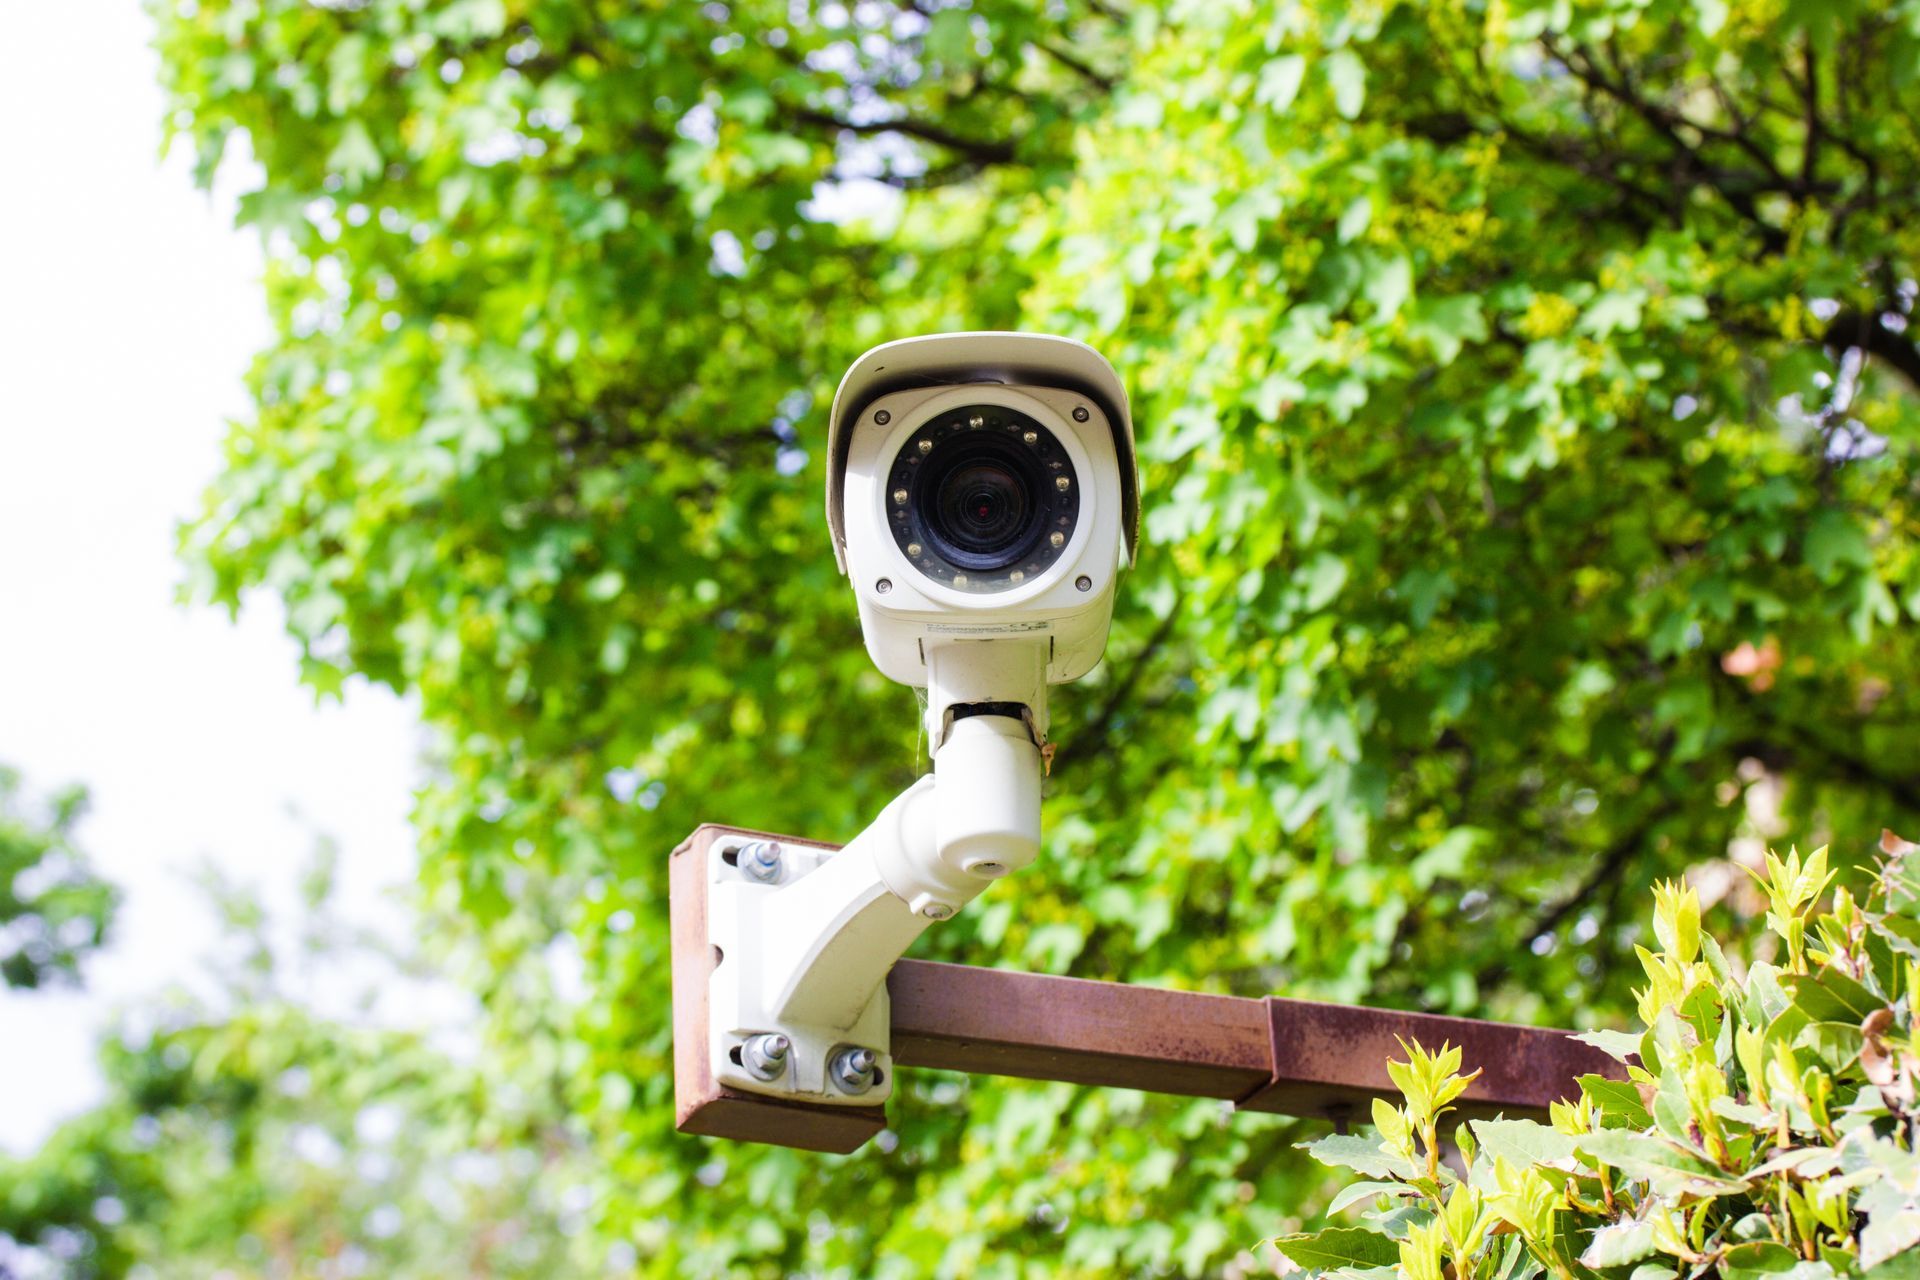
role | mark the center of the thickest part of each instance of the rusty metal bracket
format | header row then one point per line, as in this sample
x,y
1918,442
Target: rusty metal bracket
x,y
1293,1057
1331,1060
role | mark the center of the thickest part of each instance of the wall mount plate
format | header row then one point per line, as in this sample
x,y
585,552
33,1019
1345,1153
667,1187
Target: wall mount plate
x,y
703,1107
743,912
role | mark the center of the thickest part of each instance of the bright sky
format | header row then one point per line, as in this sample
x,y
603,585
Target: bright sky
x,y
129,307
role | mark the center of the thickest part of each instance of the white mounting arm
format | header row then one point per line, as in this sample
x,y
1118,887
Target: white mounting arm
x,y
798,1004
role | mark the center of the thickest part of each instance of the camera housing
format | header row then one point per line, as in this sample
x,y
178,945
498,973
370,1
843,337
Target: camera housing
x,y
982,496
982,488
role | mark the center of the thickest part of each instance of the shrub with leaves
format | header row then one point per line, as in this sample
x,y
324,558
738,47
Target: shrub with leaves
x,y
1766,1124
53,910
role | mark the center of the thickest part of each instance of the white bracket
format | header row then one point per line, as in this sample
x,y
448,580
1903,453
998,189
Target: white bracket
x,y
806,937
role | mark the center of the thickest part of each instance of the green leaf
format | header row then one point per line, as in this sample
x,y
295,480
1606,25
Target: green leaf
x,y
1901,1266
1446,324
461,20
1835,542
1362,1155
1425,590
1619,1243
1621,1046
1613,312
1448,858
1747,1113
1832,996
1353,223
1665,1164
1903,886
1367,1191
1716,960
355,157
1322,577
1280,82
1339,1247
1893,1224
1389,284
1759,1258
1522,1143
949,37
1618,1100
1836,1044
1347,76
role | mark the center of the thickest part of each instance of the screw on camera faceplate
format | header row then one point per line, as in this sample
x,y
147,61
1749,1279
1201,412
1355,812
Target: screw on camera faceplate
x,y
881,417
1080,413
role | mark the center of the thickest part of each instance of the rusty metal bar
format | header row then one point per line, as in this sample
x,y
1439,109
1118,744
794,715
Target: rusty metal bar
x,y
997,1022
1331,1060
1293,1057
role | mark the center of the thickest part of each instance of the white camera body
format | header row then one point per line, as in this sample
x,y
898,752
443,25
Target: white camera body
x,y
982,496
982,490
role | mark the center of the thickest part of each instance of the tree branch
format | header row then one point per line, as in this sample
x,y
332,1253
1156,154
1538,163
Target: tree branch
x,y
1090,741
1904,790
1098,79
1868,332
984,151
1613,859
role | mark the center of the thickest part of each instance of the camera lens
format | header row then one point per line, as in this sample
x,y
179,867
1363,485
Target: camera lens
x,y
982,498
982,507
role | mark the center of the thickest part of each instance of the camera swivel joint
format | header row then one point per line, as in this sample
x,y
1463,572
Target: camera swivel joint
x,y
805,940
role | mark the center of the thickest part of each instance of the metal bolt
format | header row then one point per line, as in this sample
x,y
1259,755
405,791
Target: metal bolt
x,y
1080,413
882,417
926,446
937,911
883,586
765,1055
1083,582
913,549
761,860
853,1068
1062,483
976,422
1031,437
900,495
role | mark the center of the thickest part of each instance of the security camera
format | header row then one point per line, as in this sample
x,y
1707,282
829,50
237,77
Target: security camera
x,y
982,498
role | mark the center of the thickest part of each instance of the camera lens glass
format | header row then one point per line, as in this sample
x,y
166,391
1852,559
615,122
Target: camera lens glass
x,y
984,509
982,498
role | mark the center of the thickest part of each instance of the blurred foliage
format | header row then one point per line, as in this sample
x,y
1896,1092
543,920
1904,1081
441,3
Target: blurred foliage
x,y
250,1130
1527,408
53,909
1766,1125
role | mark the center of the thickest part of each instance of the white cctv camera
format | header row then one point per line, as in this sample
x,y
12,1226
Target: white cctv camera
x,y
982,496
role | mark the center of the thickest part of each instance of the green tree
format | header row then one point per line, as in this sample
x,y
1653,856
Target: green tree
x,y
277,1123
1527,403
53,909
